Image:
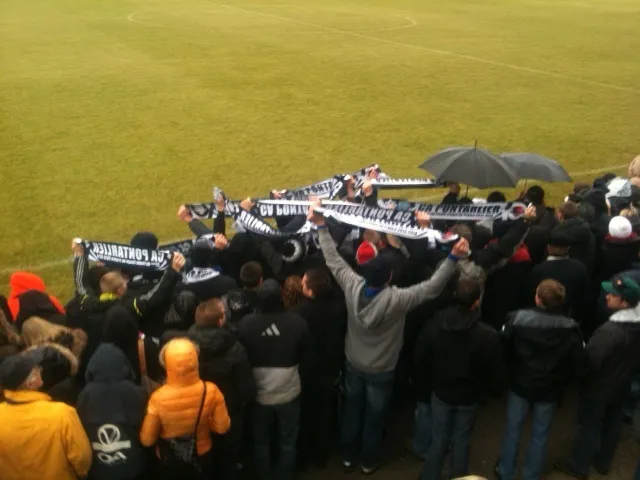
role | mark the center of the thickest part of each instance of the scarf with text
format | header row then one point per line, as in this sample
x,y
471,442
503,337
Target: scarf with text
x,y
459,211
126,256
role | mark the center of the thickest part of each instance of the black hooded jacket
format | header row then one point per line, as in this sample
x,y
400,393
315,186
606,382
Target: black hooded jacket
x,y
458,358
224,361
617,255
111,408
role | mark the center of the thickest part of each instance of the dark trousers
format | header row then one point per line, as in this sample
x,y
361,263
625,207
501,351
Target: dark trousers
x,y
186,473
285,418
226,448
317,425
366,401
597,436
452,425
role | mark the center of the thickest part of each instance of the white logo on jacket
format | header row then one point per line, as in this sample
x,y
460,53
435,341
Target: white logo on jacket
x,y
109,445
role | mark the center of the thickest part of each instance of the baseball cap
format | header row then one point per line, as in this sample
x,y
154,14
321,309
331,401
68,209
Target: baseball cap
x,y
624,287
620,227
14,370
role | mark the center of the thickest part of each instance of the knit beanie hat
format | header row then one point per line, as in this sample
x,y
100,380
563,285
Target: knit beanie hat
x,y
620,227
366,252
145,240
14,370
376,272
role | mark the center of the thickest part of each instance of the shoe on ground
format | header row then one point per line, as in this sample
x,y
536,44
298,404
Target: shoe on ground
x,y
564,468
348,466
408,445
369,470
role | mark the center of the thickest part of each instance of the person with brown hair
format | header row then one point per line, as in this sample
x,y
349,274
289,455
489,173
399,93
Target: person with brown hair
x,y
292,292
544,351
224,361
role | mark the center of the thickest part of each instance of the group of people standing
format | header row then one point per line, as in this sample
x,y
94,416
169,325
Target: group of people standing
x,y
281,358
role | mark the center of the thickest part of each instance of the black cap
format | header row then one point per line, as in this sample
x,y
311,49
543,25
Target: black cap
x,y
14,370
376,272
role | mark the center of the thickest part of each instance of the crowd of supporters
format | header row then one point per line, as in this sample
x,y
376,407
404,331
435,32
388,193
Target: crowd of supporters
x,y
287,357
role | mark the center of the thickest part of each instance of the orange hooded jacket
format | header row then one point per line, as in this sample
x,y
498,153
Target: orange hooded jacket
x,y
21,282
173,408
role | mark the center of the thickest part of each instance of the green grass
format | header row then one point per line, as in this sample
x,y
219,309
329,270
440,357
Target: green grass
x,y
111,120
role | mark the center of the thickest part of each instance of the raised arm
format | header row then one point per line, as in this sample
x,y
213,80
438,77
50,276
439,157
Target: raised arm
x,y
79,266
162,289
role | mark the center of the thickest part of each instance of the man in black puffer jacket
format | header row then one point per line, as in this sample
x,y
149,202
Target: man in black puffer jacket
x,y
544,352
224,361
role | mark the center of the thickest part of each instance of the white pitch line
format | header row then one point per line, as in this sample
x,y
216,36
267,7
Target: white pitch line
x,y
435,51
68,260
575,174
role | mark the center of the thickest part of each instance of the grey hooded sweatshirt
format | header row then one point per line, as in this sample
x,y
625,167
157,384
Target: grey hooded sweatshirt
x,y
375,325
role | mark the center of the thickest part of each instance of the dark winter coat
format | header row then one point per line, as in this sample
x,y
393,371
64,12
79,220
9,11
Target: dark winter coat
x,y
224,361
614,356
326,317
543,352
505,288
278,345
111,407
572,274
538,236
458,358
581,241
617,255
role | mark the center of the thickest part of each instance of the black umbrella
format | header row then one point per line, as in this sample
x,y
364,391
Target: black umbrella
x,y
532,165
471,166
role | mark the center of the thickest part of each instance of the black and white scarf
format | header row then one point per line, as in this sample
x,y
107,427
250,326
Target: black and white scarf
x,y
126,256
459,211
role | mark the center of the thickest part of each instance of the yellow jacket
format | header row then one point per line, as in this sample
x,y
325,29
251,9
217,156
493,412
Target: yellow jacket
x,y
41,439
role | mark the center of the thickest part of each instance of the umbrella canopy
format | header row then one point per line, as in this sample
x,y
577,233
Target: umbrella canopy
x,y
471,166
532,165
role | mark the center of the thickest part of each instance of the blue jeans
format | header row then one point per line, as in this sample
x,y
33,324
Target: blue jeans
x,y
597,436
366,401
452,425
422,429
517,410
286,418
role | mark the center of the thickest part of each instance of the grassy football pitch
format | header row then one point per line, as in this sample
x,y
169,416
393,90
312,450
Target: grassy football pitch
x,y
116,112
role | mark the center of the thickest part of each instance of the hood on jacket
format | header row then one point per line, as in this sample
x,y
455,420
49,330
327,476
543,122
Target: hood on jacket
x,y
180,359
108,364
57,363
270,297
457,319
182,312
212,339
21,282
628,315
